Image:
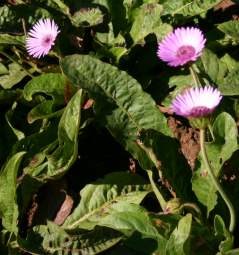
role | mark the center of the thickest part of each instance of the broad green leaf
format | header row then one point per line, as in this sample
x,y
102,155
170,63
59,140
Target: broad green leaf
x,y
211,65
171,166
44,110
180,81
171,7
58,5
35,146
99,197
40,84
61,154
230,28
50,155
198,7
8,198
126,217
232,252
51,84
232,64
219,151
188,8
3,69
87,17
178,243
222,232
230,84
121,104
57,241
61,6
146,20
11,39
15,74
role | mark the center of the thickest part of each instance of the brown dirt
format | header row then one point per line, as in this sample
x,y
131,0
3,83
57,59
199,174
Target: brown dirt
x,y
51,203
188,138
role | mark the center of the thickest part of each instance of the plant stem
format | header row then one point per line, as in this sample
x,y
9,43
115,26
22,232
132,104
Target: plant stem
x,y
194,77
157,193
195,208
216,182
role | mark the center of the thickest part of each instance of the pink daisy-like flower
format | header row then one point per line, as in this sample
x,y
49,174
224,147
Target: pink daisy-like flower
x,y
181,46
196,102
41,38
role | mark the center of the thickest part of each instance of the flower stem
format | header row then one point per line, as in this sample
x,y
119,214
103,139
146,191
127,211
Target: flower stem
x,y
194,77
157,193
216,182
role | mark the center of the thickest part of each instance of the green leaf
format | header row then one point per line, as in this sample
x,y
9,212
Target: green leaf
x,y
198,7
230,84
178,243
126,217
44,110
61,154
211,65
35,146
87,17
222,232
230,28
232,64
99,197
189,8
40,84
219,151
55,240
121,104
8,197
3,69
15,74
171,166
232,252
12,39
146,20
60,5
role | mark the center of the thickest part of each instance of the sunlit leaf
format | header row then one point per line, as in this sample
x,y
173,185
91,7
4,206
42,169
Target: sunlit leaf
x,y
8,197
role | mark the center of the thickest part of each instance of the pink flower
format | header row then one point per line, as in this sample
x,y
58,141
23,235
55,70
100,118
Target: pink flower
x,y
196,102
41,38
181,46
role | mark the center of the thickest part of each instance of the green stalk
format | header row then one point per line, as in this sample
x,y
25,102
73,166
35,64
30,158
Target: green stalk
x,y
156,191
194,77
216,182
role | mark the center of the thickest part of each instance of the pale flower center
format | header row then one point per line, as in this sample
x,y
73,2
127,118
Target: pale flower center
x,y
200,111
47,41
185,52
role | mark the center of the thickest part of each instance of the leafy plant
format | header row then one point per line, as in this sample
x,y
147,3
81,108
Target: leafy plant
x,y
95,157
